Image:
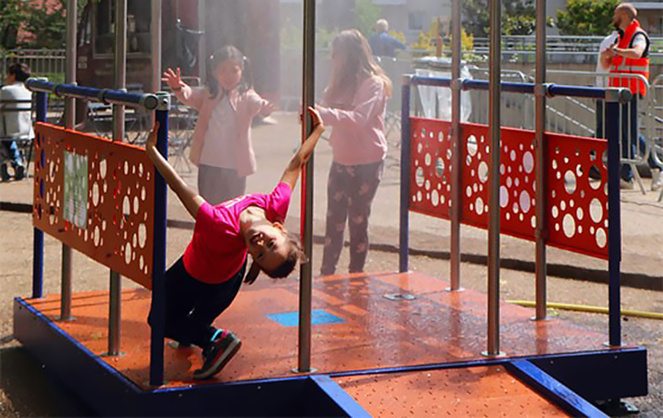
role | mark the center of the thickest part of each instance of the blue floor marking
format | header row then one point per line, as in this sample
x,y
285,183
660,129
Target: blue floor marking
x,y
318,316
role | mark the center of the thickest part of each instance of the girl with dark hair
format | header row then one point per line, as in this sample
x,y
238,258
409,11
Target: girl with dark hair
x,y
222,147
354,105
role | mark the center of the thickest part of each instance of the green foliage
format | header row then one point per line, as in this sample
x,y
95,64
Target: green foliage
x,y
518,17
12,14
366,14
48,27
586,17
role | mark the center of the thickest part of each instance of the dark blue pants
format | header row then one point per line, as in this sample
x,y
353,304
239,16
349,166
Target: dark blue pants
x,y
192,306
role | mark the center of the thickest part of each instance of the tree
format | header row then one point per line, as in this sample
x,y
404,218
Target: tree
x,y
45,26
48,26
12,14
518,17
586,17
366,14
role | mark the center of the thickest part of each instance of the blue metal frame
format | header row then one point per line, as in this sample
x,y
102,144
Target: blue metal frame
x,y
339,396
613,99
38,235
146,101
159,258
594,375
552,389
614,223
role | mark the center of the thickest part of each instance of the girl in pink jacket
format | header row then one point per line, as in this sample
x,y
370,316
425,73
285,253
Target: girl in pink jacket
x,y
222,147
354,105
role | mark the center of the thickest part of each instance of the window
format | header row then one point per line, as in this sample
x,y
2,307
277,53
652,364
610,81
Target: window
x,y
138,27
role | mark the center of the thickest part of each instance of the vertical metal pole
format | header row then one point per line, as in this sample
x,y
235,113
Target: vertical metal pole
x,y
69,120
115,305
404,228
38,235
155,28
494,205
159,256
306,282
614,216
540,147
457,149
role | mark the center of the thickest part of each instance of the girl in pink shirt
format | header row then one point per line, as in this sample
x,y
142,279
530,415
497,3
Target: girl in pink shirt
x,y
354,105
222,147
206,279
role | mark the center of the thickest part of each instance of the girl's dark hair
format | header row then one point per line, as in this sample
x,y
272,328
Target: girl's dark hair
x,y
295,255
228,52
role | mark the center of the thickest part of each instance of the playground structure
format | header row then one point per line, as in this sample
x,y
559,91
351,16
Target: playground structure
x,y
422,332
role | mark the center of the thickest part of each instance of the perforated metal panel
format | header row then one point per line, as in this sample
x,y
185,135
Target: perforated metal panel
x,y
578,212
116,226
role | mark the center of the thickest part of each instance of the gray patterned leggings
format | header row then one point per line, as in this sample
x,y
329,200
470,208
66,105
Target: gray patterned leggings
x,y
350,193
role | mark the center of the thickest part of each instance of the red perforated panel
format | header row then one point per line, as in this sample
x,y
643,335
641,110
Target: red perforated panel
x,y
109,216
430,180
577,215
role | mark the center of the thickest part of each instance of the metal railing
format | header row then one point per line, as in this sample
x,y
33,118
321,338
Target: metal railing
x,y
614,97
43,62
159,103
579,116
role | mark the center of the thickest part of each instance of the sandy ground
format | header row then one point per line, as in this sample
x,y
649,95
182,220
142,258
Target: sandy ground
x,y
28,390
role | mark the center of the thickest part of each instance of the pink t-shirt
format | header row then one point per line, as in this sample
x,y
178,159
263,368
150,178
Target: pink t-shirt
x,y
217,250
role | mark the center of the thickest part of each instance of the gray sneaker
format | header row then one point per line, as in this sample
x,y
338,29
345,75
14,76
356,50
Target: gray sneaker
x,y
218,354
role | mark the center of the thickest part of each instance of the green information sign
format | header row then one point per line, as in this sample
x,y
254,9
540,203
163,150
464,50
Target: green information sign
x,y
75,189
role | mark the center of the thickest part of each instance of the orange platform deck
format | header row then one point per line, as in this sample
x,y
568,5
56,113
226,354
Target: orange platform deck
x,y
370,330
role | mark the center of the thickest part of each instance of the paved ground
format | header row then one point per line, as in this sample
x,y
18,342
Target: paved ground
x,y
26,391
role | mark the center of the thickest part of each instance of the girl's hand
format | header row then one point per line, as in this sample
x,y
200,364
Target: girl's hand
x,y
152,137
174,79
316,119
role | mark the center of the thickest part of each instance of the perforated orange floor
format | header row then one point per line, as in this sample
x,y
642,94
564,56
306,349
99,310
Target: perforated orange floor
x,y
377,329
471,392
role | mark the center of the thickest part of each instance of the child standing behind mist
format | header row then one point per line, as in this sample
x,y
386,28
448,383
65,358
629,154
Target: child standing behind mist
x,y
222,147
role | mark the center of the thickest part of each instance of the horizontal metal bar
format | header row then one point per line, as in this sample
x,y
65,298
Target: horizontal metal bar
x,y
146,101
525,88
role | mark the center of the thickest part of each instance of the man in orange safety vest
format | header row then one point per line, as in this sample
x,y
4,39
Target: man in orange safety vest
x,y
629,55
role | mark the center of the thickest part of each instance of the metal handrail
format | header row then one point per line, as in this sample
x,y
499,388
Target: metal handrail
x,y
146,101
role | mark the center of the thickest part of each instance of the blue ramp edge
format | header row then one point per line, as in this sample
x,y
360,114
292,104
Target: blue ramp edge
x,y
552,389
318,316
344,401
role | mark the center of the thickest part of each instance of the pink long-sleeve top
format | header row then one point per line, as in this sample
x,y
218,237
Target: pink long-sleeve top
x,y
246,105
358,133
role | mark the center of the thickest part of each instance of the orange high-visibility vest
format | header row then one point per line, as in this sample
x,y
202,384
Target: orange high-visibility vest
x,y
622,65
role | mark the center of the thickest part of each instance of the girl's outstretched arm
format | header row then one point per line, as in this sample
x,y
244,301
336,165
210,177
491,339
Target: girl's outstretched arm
x,y
291,173
189,198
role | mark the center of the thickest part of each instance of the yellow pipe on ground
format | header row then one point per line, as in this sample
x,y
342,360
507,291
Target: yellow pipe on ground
x,y
585,308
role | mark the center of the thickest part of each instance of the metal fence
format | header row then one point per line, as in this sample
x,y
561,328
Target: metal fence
x,y
43,62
